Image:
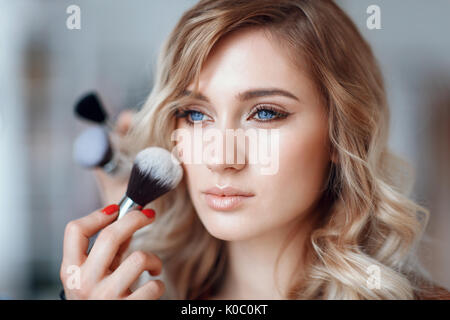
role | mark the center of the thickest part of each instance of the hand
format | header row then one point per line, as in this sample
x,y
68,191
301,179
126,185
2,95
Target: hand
x,y
112,188
103,273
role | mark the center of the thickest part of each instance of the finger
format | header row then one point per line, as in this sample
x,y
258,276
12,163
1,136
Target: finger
x,y
111,238
78,232
151,290
131,268
118,259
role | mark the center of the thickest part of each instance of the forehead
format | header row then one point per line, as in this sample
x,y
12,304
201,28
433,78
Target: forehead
x,y
250,58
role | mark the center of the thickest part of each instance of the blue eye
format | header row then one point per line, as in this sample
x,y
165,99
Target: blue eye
x,y
265,114
196,116
192,116
268,113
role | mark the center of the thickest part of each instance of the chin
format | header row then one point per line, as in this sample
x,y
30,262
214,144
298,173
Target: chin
x,y
229,235
228,228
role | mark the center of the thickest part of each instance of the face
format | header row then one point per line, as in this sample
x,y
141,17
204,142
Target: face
x,y
234,199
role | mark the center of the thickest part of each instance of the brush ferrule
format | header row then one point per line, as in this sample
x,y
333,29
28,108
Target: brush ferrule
x,y
119,165
111,166
126,204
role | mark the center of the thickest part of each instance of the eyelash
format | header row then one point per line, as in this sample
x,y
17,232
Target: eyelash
x,y
278,114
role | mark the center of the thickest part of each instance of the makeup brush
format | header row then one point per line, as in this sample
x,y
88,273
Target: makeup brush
x,y
155,172
89,107
93,149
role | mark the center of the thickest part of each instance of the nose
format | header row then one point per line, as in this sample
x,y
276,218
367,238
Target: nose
x,y
232,157
222,167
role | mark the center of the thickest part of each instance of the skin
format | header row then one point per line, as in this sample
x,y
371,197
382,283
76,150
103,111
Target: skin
x,y
254,232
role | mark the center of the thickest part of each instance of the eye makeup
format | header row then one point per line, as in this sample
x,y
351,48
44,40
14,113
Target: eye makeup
x,y
190,115
260,113
267,113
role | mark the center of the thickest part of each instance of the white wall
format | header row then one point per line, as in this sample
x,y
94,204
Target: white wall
x,y
14,225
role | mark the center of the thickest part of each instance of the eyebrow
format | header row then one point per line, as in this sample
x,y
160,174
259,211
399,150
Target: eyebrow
x,y
250,94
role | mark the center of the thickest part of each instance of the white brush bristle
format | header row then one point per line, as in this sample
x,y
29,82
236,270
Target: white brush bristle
x,y
161,165
91,147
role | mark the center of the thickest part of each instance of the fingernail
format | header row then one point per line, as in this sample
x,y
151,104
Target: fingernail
x,y
148,212
110,209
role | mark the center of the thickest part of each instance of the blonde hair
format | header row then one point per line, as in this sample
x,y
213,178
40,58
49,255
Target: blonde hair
x,y
368,218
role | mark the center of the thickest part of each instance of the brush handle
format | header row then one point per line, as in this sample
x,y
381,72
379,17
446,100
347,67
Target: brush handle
x,y
125,205
111,167
119,165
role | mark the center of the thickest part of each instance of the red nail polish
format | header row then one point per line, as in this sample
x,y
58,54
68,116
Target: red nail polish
x,y
148,212
110,209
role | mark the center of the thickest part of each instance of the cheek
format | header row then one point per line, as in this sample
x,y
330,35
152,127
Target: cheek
x,y
193,174
197,177
303,167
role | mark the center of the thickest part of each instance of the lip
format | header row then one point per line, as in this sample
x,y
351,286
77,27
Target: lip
x,y
228,191
225,199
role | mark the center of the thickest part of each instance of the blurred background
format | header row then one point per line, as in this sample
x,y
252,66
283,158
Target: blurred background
x,y
45,67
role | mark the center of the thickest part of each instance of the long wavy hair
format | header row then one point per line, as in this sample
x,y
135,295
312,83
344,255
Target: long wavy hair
x,y
368,219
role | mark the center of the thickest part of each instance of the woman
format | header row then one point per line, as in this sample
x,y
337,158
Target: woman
x,y
330,223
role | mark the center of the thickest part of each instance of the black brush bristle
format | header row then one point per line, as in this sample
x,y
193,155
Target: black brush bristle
x,y
107,156
90,108
143,188
155,172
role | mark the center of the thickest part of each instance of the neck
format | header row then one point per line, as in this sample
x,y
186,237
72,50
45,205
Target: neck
x,y
251,272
